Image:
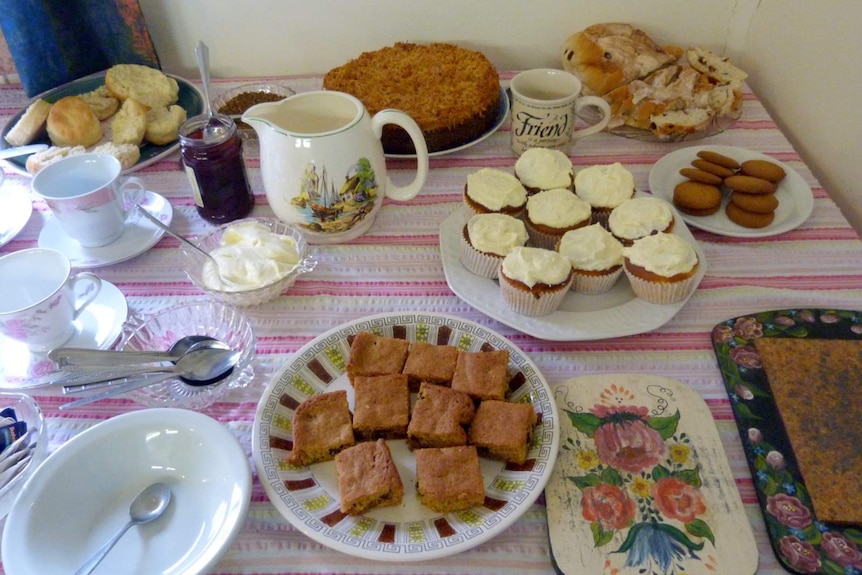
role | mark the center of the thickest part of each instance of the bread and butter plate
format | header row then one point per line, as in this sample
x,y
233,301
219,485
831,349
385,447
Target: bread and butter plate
x,y
15,210
795,199
190,98
308,497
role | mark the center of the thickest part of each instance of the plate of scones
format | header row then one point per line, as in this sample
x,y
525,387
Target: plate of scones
x,y
405,436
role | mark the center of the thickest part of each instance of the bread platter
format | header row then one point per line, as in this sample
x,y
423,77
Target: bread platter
x,y
308,497
190,98
795,200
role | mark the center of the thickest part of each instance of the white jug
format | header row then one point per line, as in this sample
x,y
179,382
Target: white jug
x,y
322,162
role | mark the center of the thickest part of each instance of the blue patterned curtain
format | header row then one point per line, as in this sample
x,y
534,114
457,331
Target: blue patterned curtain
x,y
56,41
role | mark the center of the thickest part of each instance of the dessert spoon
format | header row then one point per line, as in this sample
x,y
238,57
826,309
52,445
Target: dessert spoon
x,y
73,356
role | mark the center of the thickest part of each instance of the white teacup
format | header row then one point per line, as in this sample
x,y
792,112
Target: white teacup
x,y
40,298
545,103
88,198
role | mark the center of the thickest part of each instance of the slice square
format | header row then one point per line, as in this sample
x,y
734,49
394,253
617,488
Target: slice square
x,y
501,430
381,406
367,477
322,427
482,374
372,354
449,478
439,417
430,363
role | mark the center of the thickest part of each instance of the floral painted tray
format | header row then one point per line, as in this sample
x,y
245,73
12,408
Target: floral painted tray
x,y
642,484
801,543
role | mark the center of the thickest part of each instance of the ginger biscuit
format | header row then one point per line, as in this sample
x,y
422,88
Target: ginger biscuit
x,y
748,219
750,185
701,176
760,203
763,169
719,159
716,169
696,198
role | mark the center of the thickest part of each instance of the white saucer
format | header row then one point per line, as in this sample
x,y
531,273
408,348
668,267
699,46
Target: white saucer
x,y
139,236
15,210
98,327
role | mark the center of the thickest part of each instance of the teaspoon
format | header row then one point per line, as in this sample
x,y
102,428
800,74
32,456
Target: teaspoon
x,y
73,356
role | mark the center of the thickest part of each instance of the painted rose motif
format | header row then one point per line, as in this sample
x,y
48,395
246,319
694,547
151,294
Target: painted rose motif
x,y
677,499
799,554
745,356
789,511
722,333
626,442
608,505
755,435
775,459
841,550
747,328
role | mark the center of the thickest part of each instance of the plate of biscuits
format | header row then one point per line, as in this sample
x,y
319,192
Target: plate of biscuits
x,y
130,111
732,191
405,436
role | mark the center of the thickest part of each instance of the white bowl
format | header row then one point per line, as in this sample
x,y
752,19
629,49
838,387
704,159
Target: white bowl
x,y
80,496
159,331
195,264
26,409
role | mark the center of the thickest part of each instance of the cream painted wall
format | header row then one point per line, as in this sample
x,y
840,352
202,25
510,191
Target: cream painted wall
x,y
802,56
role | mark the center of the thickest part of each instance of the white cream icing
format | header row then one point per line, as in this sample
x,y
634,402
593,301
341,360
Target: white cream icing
x,y
544,169
605,186
496,233
533,266
662,254
639,217
591,248
495,189
250,255
557,208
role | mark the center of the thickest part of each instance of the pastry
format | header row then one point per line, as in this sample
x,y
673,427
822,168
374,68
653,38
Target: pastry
x,y
163,124
381,406
129,124
372,354
429,363
102,102
452,93
32,122
147,85
71,122
439,417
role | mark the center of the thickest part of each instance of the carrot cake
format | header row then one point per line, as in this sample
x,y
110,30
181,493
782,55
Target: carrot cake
x,y
596,257
661,268
534,281
452,93
490,190
604,187
449,478
367,478
486,239
543,169
639,217
551,213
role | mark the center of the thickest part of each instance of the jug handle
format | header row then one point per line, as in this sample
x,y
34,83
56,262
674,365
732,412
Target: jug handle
x,y
408,192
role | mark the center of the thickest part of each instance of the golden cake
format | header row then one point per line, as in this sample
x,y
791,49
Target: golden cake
x,y
452,93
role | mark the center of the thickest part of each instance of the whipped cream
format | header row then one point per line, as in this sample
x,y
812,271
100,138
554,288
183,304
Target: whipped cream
x,y
249,256
533,266
662,254
544,169
591,248
639,217
496,233
605,186
557,208
495,189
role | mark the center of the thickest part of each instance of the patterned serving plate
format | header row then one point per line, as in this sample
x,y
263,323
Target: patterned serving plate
x,y
308,496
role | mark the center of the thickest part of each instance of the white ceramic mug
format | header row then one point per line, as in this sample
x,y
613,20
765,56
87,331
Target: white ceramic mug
x,y
545,104
88,198
322,162
40,298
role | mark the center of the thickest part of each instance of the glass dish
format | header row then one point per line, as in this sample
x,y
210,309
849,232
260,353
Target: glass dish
x,y
265,91
26,409
159,331
195,264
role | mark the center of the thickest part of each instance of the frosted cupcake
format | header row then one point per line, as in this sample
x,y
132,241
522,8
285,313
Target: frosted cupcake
x,y
551,213
486,239
639,217
543,169
534,281
596,257
661,268
494,191
604,187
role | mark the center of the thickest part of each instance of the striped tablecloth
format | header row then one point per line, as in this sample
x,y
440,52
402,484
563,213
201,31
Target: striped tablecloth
x,y
397,267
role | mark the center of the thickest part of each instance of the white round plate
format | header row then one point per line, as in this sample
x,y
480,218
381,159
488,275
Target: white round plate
x,y
139,236
308,497
98,327
79,497
502,112
15,209
616,313
795,200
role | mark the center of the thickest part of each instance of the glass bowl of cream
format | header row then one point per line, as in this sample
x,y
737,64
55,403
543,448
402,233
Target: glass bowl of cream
x,y
252,261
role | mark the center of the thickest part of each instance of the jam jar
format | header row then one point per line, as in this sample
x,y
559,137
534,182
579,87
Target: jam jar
x,y
211,151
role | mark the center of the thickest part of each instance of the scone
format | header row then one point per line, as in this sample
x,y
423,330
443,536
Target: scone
x,y
32,122
71,122
39,160
128,154
102,102
146,85
163,124
129,125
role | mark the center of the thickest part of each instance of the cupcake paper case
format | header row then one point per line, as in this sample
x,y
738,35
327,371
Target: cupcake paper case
x,y
661,268
534,281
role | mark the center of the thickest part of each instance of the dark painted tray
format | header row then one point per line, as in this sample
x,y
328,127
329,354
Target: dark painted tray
x,y
801,542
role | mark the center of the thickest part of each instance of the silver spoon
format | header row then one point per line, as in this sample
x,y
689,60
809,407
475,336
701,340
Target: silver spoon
x,y
148,505
213,127
74,356
195,367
